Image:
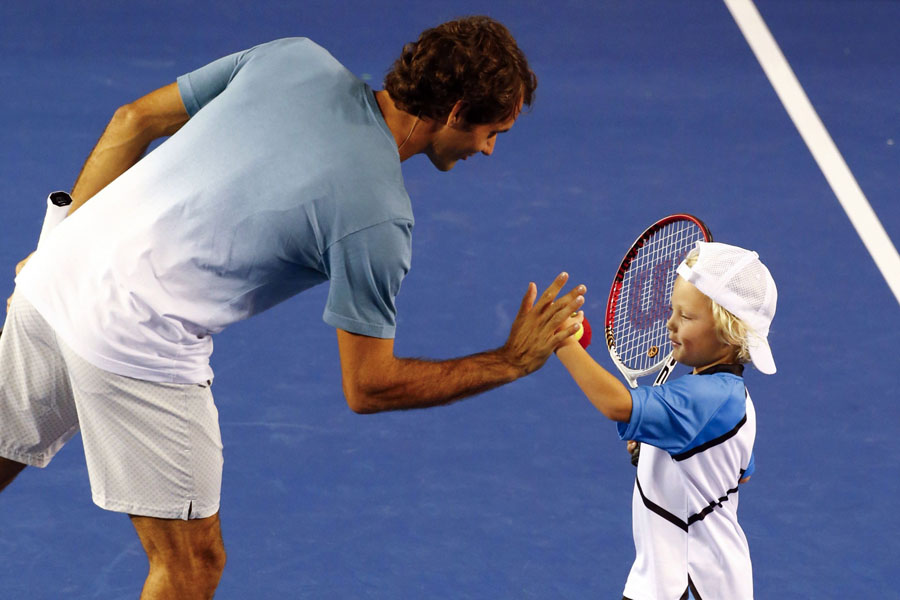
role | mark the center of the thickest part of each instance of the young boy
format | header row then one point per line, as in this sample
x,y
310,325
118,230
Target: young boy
x,y
697,431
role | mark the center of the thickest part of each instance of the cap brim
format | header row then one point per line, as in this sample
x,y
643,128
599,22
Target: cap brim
x,y
761,355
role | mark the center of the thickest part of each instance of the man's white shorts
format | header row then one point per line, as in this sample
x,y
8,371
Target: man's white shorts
x,y
152,449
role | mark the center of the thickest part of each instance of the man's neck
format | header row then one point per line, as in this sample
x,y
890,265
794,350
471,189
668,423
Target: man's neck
x,y
409,131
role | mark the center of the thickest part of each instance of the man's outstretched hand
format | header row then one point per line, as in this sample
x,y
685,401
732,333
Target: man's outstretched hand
x,y
536,331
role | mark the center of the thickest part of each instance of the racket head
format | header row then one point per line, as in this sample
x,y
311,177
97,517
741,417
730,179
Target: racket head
x,y
638,304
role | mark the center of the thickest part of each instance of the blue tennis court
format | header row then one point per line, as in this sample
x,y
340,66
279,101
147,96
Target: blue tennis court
x,y
643,109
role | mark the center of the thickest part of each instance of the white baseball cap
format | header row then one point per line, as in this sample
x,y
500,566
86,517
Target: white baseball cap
x,y
738,282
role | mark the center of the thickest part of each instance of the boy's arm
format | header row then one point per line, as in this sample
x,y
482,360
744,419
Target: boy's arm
x,y
751,468
601,387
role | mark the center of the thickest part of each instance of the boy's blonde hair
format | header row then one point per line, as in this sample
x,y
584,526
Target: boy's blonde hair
x,y
729,329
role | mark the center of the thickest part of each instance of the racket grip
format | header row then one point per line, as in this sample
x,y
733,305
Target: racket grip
x,y
57,209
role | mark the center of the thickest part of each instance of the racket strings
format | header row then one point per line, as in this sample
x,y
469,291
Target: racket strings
x,y
642,309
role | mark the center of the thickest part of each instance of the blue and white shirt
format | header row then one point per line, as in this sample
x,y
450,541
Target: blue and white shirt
x,y
697,436
285,176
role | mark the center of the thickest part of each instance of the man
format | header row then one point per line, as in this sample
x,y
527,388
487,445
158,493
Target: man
x,y
282,172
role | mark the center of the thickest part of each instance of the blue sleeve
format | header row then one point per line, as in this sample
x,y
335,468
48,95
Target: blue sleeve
x,y
751,468
365,270
685,413
198,87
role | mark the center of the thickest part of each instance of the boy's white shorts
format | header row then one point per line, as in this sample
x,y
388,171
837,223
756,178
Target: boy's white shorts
x,y
152,449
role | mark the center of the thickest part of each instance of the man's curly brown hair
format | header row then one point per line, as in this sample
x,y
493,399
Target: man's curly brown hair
x,y
474,60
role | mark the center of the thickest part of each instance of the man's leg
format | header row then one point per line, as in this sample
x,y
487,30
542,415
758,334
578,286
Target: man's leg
x,y
8,471
154,451
186,557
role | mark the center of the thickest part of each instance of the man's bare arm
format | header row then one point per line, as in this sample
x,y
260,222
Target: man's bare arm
x,y
375,380
129,133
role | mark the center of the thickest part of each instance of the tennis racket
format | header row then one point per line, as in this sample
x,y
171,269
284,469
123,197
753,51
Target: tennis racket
x,y
57,209
638,305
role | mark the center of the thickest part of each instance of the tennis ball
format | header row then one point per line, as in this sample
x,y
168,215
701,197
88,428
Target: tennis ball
x,y
583,336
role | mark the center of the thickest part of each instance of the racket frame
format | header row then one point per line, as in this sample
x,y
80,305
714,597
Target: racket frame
x,y
666,363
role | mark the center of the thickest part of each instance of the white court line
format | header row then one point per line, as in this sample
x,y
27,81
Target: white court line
x,y
820,144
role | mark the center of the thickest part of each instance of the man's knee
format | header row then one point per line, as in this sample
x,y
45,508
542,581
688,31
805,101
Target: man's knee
x,y
210,558
200,567
185,556
8,471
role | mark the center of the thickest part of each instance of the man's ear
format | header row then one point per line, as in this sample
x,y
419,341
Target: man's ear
x,y
455,118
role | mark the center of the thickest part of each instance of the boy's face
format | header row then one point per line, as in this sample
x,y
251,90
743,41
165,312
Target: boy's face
x,y
692,329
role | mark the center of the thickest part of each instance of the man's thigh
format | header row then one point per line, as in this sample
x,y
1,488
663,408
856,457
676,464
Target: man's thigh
x,y
176,537
8,471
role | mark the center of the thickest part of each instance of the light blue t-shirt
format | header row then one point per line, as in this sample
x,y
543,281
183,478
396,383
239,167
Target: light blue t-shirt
x,y
284,177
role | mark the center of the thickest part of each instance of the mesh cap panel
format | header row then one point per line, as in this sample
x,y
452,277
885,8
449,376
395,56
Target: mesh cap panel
x,y
736,280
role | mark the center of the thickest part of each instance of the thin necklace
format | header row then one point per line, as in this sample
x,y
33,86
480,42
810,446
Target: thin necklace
x,y
409,135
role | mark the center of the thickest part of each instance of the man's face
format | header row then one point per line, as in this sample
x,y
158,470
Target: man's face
x,y
457,140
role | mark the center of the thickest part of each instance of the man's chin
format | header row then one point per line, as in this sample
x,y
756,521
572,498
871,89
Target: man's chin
x,y
443,165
